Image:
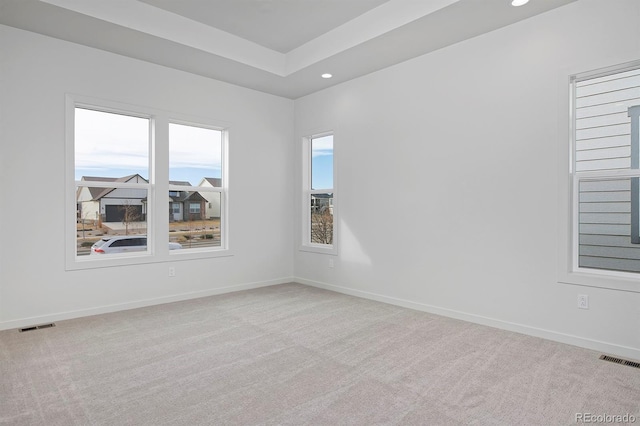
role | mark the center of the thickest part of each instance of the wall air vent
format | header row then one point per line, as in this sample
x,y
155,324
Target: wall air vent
x,y
36,327
620,361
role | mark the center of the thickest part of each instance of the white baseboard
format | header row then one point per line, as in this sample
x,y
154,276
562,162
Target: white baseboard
x,y
26,322
596,345
605,347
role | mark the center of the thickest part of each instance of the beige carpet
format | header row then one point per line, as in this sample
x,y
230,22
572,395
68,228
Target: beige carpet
x,y
297,355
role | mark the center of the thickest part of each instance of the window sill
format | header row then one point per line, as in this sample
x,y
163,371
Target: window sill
x,y
321,249
110,261
613,280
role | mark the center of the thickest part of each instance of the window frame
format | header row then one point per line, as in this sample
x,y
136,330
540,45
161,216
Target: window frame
x,y
222,190
569,271
157,213
307,192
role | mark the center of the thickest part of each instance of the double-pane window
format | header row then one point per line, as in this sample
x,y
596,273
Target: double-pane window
x,y
111,174
195,177
606,170
123,187
319,194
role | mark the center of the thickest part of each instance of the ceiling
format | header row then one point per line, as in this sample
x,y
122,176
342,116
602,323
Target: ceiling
x,y
275,46
280,25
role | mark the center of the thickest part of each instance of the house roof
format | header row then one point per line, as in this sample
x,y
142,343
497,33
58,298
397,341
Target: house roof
x,y
98,192
215,182
327,196
184,195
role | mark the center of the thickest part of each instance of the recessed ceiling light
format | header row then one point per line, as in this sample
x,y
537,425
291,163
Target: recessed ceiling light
x,y
519,2
326,75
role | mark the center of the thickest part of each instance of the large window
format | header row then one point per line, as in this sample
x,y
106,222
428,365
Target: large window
x,y
143,175
606,171
319,196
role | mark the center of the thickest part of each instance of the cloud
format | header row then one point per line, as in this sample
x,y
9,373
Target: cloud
x,y
194,147
322,146
110,141
119,144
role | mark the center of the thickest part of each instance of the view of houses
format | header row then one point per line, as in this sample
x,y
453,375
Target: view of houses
x,y
194,216
102,205
118,210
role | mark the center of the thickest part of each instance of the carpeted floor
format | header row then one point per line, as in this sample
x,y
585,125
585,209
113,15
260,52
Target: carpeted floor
x,y
297,355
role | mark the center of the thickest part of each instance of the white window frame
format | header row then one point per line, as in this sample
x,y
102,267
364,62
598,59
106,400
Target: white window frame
x,y
223,191
158,187
307,192
569,271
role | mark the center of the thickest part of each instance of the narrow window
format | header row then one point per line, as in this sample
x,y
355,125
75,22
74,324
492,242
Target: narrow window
x,y
111,165
319,230
196,187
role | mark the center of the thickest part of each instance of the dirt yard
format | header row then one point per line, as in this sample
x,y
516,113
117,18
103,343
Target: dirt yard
x,y
181,232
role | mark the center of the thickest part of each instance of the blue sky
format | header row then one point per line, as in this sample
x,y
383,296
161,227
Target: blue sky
x,y
322,162
115,145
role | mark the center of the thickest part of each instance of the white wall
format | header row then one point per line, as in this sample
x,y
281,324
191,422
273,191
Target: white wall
x,y
35,74
460,148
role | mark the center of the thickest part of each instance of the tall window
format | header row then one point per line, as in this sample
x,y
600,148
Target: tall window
x,y
195,179
606,170
145,179
111,174
319,217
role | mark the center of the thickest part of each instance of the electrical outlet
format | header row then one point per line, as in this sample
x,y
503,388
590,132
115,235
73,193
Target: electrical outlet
x,y
330,263
583,301
172,271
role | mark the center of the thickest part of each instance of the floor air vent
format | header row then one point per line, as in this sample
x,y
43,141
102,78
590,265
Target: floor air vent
x,y
36,327
620,361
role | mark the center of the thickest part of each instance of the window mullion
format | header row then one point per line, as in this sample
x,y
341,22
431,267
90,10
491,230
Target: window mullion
x,y
160,184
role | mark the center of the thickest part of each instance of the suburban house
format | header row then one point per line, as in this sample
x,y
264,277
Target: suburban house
x,y
186,205
212,206
321,202
114,204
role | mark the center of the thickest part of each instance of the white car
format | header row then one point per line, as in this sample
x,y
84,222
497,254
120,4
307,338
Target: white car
x,y
125,244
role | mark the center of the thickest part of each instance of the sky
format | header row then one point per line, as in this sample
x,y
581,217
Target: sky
x,y
116,145
194,153
322,162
